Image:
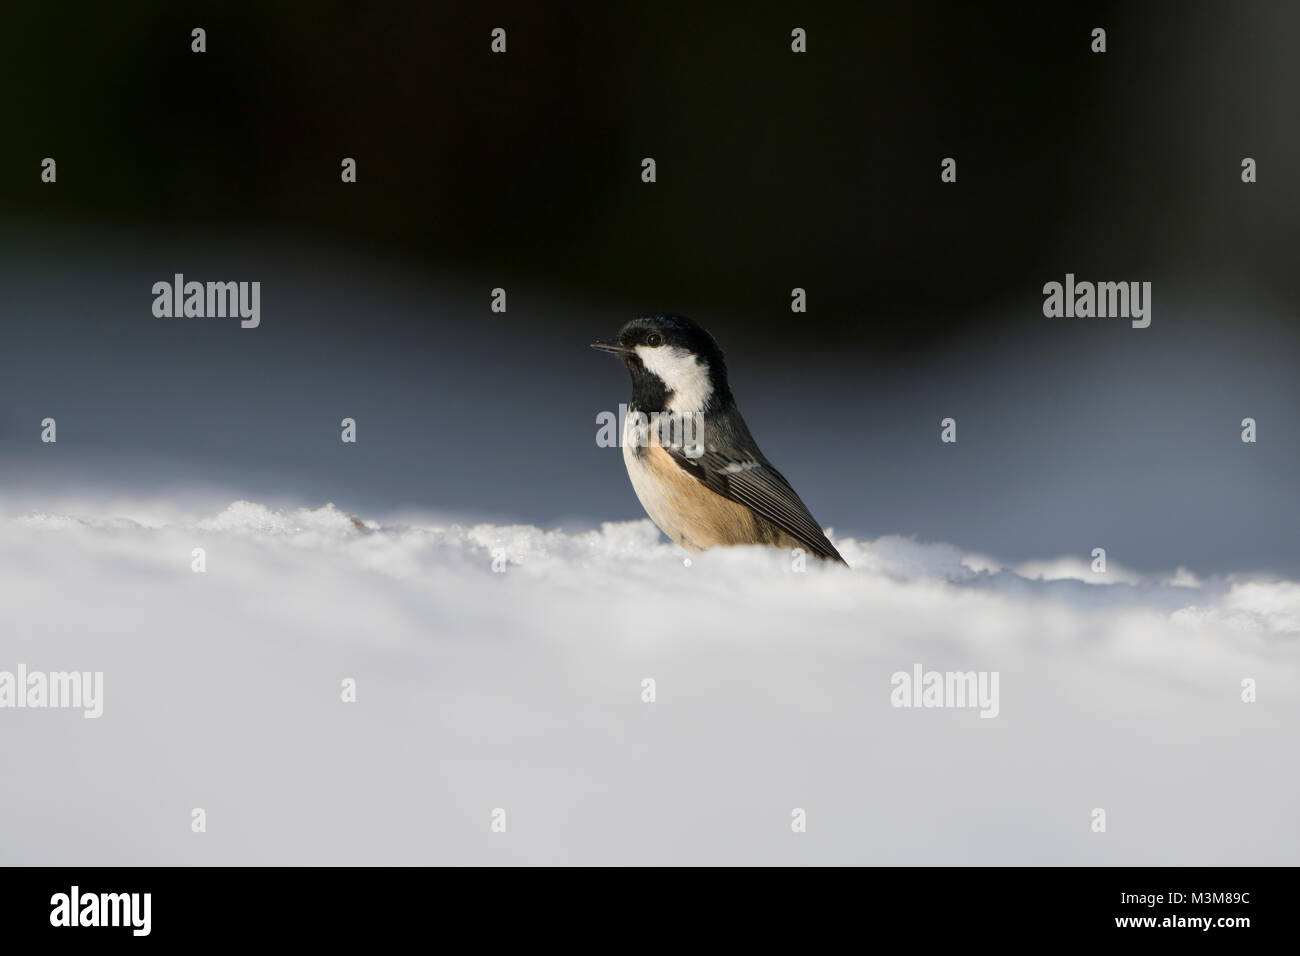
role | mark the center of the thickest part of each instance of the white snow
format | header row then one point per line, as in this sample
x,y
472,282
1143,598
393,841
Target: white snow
x,y
522,690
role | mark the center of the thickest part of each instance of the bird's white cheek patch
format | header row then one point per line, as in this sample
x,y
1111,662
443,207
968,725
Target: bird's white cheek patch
x,y
681,373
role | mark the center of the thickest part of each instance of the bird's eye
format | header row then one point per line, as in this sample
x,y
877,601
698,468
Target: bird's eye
x,y
654,340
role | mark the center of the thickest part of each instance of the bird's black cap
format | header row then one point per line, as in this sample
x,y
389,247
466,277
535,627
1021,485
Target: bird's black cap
x,y
670,330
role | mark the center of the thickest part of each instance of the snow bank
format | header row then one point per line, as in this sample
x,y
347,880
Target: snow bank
x,y
504,667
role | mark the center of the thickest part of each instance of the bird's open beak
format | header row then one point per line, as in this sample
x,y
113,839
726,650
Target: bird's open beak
x,y
611,348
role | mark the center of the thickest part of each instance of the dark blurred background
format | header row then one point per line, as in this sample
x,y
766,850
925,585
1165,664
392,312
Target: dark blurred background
x,y
775,170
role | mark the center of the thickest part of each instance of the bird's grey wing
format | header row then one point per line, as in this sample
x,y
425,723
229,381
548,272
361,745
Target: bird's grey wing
x,y
754,483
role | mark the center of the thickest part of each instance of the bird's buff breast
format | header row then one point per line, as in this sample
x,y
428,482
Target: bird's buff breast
x,y
689,513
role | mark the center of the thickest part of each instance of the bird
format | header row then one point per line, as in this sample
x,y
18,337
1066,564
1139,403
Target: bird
x,y
718,491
